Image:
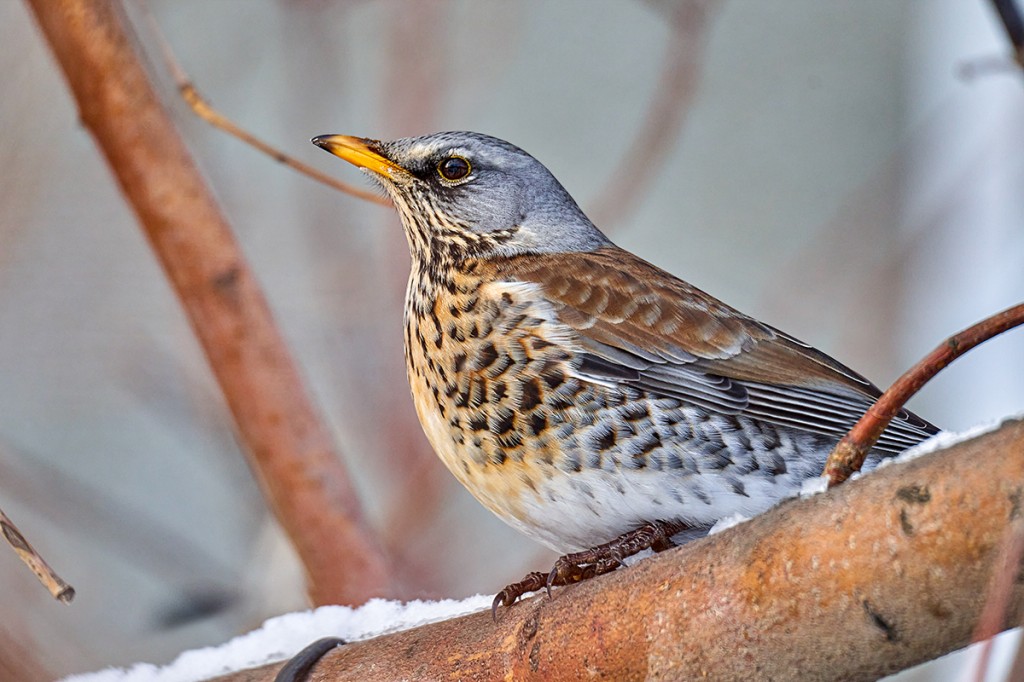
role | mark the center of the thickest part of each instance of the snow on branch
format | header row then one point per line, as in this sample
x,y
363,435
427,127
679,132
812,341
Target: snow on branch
x,y
872,577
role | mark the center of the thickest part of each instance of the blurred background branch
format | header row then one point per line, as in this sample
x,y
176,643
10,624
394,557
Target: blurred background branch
x,y
830,173
1010,15
205,111
292,453
655,136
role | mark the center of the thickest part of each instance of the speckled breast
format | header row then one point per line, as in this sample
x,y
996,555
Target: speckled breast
x,y
496,381
488,373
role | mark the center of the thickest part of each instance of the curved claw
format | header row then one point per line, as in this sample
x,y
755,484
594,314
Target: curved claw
x,y
500,599
508,596
566,570
550,582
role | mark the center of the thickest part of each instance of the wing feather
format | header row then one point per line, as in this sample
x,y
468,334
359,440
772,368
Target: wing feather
x,y
638,326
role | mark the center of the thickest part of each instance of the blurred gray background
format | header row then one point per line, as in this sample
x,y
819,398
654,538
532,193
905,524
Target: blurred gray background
x,y
822,165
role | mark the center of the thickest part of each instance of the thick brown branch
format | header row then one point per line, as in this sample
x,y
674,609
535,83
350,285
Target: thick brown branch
x,y
851,451
303,479
869,578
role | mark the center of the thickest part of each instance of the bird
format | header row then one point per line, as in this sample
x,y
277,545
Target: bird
x,y
591,400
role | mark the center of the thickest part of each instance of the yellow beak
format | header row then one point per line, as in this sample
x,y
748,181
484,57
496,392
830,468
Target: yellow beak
x,y
358,152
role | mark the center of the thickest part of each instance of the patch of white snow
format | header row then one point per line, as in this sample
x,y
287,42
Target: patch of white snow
x,y
284,636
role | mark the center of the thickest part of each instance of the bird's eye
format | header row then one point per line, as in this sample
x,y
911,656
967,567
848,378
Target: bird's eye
x,y
454,168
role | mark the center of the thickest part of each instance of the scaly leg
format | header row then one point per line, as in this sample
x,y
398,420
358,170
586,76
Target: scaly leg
x,y
574,568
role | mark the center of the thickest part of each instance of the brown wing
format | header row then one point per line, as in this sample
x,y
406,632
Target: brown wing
x,y
640,326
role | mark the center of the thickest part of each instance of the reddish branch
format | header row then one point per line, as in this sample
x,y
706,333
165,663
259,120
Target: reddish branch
x,y
19,658
850,452
867,579
1000,592
290,449
673,95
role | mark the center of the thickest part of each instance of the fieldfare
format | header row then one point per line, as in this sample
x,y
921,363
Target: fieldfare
x,y
591,400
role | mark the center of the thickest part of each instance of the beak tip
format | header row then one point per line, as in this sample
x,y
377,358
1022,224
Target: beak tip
x,y
358,151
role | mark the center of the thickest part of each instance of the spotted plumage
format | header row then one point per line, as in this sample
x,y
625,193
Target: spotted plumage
x,y
576,390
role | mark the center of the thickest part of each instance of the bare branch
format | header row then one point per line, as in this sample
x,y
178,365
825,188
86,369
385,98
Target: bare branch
x,y
205,111
993,616
673,95
20,657
291,451
867,579
60,590
1009,14
849,453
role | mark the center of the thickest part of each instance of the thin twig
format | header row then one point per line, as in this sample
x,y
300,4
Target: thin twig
x,y
205,111
60,590
849,454
1010,15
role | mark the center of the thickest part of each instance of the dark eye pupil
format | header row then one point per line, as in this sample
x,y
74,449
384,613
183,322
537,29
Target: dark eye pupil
x,y
453,168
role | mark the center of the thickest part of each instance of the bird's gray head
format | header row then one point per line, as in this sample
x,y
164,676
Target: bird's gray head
x,y
477,194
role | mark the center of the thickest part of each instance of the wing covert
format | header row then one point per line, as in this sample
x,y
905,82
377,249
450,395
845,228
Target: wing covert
x,y
640,326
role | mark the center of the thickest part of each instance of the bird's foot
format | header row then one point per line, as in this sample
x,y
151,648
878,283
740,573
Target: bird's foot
x,y
580,566
508,596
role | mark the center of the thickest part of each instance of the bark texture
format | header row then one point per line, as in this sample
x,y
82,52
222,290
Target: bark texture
x,y
875,576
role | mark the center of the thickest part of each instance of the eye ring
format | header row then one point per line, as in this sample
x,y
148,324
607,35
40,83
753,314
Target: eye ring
x,y
454,168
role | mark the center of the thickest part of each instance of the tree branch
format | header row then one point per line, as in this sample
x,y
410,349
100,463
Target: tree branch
x,y
1012,21
290,449
204,110
872,577
60,590
673,96
852,449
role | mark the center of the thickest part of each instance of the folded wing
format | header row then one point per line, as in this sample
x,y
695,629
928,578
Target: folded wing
x,y
640,326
